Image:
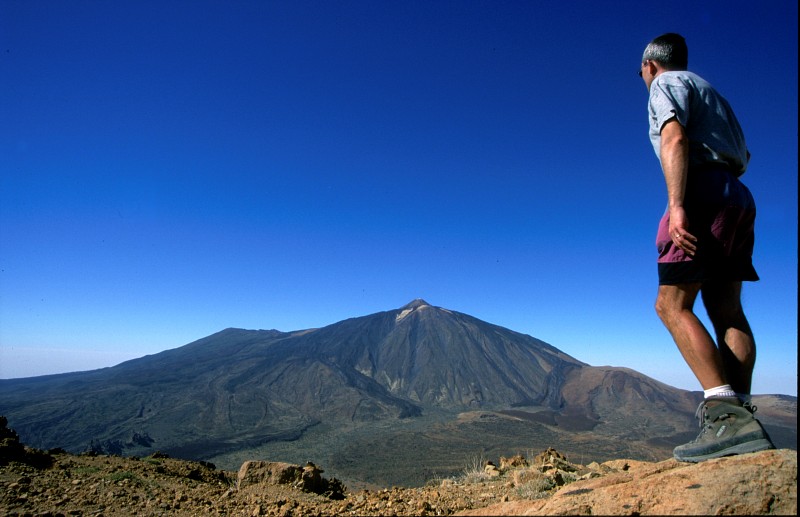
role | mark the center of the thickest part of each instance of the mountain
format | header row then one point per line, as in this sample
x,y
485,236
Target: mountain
x,y
421,379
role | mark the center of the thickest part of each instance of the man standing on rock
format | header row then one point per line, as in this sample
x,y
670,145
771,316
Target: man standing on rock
x,y
705,245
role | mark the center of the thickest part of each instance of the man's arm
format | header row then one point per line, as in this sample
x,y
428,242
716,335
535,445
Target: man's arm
x,y
675,164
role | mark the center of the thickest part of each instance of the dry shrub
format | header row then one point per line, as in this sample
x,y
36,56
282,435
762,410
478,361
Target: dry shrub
x,y
474,471
532,484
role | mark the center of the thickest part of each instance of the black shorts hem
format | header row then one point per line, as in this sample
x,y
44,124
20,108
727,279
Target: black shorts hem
x,y
692,272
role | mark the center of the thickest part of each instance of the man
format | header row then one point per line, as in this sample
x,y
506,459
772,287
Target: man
x,y
705,245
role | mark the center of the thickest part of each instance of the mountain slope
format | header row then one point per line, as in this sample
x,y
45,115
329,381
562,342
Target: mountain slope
x,y
441,358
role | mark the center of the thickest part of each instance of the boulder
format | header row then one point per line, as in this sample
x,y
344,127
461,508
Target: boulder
x,y
516,461
491,469
267,472
308,478
11,449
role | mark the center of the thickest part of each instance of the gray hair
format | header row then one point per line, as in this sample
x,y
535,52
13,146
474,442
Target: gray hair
x,y
668,49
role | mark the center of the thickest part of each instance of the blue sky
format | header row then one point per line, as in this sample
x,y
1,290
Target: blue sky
x,y
170,169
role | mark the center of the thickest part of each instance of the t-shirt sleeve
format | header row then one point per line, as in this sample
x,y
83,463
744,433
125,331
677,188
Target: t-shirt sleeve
x,y
668,100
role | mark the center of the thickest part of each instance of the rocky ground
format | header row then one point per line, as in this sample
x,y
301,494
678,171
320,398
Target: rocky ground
x,y
37,483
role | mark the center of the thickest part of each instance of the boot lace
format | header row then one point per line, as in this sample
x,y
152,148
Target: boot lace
x,y
750,407
701,413
705,424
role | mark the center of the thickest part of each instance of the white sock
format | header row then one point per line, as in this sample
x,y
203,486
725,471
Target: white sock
x,y
720,391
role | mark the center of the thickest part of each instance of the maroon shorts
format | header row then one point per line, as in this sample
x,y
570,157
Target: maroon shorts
x,y
722,215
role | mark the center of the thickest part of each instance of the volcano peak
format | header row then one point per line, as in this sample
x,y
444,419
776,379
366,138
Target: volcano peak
x,y
415,304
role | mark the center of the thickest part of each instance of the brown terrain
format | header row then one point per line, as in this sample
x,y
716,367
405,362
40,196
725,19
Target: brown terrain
x,y
53,483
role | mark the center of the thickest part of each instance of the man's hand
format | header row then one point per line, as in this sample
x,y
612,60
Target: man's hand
x,y
679,231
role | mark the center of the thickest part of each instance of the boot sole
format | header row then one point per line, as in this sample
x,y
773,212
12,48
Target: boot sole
x,y
742,448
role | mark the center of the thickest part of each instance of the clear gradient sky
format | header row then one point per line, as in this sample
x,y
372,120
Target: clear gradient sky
x,y
171,169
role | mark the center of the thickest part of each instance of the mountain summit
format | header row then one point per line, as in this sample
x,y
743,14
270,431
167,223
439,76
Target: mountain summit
x,y
415,304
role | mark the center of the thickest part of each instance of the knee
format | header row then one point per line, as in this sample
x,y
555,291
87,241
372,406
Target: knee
x,y
663,309
673,303
669,311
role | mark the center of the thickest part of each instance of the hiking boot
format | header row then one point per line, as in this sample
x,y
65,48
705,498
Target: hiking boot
x,y
727,428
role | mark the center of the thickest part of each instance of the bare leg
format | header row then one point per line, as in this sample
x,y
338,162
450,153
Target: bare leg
x,y
674,306
735,339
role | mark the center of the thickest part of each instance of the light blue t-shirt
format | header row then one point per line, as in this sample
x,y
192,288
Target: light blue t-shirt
x,y
710,124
